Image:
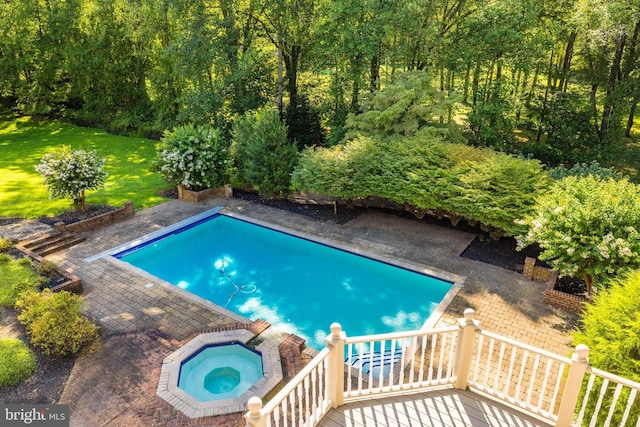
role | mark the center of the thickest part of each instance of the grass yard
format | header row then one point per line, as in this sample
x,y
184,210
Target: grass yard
x,y
24,142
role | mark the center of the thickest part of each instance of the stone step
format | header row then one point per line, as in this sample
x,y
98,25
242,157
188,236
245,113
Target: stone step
x,y
51,243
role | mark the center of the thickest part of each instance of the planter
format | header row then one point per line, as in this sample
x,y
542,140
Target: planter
x,y
72,283
559,299
197,196
97,221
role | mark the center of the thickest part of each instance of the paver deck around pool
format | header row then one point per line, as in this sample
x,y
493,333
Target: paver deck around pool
x,y
142,321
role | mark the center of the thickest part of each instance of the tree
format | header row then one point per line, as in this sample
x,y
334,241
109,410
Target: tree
x,y
587,226
403,107
263,158
611,330
69,173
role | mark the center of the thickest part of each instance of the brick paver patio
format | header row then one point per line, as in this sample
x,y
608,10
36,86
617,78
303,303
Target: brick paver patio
x,y
142,321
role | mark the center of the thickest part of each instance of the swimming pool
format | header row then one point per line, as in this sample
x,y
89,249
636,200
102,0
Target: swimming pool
x,y
296,284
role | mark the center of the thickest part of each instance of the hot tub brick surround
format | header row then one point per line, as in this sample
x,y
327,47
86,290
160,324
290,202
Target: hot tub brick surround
x,y
168,382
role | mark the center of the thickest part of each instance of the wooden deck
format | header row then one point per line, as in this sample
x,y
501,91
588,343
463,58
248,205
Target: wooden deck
x,y
445,407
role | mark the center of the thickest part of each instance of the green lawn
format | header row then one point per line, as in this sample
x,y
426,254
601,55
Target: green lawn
x,y
23,143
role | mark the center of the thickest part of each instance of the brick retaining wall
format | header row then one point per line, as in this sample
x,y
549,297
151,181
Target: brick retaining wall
x,y
563,300
97,221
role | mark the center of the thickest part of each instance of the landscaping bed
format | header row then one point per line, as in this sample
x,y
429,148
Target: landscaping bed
x,y
47,382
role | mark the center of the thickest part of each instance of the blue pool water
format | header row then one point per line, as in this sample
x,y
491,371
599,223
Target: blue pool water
x,y
297,285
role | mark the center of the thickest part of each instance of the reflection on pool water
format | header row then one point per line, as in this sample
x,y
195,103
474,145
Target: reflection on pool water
x,y
297,285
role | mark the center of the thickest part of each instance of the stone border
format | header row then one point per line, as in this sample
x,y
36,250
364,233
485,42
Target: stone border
x,y
97,221
197,196
559,299
169,391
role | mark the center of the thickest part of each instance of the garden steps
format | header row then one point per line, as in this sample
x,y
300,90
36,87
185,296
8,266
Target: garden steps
x,y
51,243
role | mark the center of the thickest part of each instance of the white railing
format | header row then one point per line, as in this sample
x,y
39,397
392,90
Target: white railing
x,y
464,356
525,376
609,400
402,361
302,402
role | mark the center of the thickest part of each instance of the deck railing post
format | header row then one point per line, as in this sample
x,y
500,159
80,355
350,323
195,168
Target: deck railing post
x,y
253,418
335,370
464,349
579,364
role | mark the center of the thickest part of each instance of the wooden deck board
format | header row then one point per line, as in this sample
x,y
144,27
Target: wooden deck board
x,y
438,408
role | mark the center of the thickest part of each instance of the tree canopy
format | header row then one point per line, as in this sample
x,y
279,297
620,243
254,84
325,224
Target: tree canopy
x,y
144,66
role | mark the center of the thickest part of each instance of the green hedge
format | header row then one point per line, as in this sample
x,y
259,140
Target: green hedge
x,y
425,174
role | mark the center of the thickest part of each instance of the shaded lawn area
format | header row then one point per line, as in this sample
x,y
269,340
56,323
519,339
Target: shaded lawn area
x,y
24,142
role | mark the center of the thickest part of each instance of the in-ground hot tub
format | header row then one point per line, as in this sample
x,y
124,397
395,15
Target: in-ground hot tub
x,y
220,371
216,373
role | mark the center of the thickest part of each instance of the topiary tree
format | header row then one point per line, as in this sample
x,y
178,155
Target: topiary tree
x,y
263,157
611,330
587,226
69,173
193,156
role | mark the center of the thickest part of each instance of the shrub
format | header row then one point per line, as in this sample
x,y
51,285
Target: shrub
x,y
54,322
263,157
69,173
583,169
611,330
45,268
423,173
17,276
17,362
587,226
5,244
194,156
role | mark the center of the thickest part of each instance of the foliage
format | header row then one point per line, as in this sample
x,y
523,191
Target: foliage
x,y
587,226
425,174
611,330
406,105
194,156
571,135
263,157
492,125
5,244
55,323
25,140
584,169
303,123
45,268
69,173
17,362
17,276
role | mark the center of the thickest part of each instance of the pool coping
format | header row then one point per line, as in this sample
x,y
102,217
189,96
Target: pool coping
x,y
169,391
456,280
